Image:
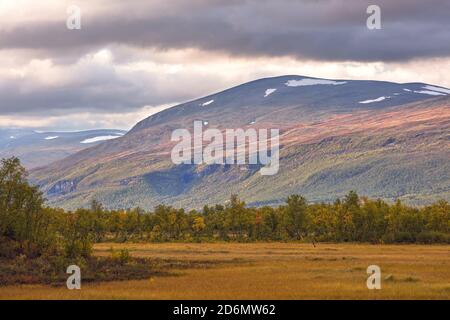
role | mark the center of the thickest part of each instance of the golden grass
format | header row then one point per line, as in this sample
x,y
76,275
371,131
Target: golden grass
x,y
272,271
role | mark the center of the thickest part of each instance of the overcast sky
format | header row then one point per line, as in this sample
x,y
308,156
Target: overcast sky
x,y
133,58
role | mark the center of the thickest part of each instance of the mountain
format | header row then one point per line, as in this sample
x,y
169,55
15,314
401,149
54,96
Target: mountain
x,y
382,139
36,149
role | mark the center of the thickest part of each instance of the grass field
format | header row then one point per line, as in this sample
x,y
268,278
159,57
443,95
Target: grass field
x,y
269,271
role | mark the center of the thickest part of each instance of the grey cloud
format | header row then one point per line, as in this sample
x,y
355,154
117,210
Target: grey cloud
x,y
108,97
327,30
99,88
322,30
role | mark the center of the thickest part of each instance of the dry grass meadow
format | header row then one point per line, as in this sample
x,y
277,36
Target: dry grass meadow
x,y
269,271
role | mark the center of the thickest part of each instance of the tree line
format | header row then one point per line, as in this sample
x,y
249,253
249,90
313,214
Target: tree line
x,y
29,227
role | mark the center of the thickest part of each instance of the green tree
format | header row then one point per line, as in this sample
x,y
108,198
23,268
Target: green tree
x,y
294,214
237,220
22,217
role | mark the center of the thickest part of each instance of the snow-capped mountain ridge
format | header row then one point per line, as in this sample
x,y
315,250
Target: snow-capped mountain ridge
x,y
330,143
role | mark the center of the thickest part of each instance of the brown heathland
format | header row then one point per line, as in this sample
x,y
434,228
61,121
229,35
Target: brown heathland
x,y
270,271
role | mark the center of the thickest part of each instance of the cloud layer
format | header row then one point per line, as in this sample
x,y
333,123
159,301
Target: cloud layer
x,y
135,54
321,29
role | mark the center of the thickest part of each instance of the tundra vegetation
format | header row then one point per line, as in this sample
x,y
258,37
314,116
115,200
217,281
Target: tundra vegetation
x,y
37,242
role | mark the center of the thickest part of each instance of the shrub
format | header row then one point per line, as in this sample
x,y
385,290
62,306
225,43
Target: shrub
x,y
433,237
77,249
9,248
122,256
399,237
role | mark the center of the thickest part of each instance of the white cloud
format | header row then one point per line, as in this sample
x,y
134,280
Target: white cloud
x,y
141,82
81,121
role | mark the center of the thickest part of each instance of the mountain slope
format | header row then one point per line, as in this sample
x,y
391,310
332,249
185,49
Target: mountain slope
x,y
383,139
36,149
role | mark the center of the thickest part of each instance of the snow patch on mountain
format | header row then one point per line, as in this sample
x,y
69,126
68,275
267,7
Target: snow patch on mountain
x,y
312,82
269,92
438,89
431,93
431,90
99,138
374,100
207,103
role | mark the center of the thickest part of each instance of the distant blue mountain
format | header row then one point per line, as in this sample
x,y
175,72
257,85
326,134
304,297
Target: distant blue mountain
x,y
36,148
